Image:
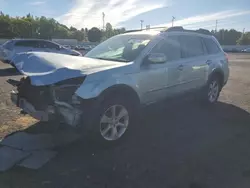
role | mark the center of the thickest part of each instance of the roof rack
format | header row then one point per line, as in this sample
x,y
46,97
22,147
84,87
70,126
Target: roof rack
x,y
146,29
180,28
176,28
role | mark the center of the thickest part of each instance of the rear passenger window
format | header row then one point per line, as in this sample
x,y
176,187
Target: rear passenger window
x,y
211,46
191,46
32,44
170,47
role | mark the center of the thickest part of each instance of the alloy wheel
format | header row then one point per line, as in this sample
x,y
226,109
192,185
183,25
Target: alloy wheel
x,y
114,122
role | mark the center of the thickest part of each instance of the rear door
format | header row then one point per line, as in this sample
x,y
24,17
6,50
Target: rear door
x,y
194,64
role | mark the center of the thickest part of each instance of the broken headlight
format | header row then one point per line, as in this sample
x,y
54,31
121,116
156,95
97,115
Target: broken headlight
x,y
65,90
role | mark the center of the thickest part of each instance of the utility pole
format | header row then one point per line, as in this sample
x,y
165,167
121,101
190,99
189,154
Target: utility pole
x,y
103,21
173,19
243,32
216,23
141,23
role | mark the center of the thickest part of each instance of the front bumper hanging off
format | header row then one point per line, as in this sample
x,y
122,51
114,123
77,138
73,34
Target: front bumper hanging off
x,y
30,109
60,111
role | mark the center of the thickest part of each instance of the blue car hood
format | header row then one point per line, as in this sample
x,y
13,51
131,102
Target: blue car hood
x,y
48,68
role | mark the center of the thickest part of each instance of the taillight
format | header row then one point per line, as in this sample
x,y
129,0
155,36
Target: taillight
x,y
226,56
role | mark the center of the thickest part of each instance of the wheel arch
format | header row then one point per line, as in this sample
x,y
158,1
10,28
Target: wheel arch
x,y
122,90
218,73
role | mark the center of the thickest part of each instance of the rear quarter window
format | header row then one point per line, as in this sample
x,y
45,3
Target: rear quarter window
x,y
211,46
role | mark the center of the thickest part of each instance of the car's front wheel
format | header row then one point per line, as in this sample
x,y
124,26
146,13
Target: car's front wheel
x,y
113,120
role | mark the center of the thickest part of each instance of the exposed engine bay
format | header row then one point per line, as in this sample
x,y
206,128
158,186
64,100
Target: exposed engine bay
x,y
50,102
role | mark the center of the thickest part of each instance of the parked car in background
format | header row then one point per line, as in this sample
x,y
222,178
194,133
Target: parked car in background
x,y
247,50
12,47
67,46
103,91
83,49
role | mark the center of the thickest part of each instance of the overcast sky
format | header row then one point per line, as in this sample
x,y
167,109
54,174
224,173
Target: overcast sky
x,y
191,14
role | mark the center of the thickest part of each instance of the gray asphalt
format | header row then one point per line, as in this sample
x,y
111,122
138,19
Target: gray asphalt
x,y
178,146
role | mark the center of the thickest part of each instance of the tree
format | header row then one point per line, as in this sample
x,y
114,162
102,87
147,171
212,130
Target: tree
x,y
78,35
94,34
22,28
36,27
244,39
6,30
109,31
227,37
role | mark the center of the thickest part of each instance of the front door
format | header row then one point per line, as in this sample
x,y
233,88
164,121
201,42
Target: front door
x,y
158,81
152,82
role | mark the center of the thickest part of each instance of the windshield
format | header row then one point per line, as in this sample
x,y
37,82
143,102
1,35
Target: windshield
x,y
123,48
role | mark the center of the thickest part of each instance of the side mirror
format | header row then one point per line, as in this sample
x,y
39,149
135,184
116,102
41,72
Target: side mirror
x,y
156,58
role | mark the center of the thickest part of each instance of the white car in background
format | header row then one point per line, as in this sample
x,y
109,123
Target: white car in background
x,y
246,50
12,47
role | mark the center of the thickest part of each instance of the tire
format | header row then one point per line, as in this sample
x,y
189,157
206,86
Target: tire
x,y
210,93
105,127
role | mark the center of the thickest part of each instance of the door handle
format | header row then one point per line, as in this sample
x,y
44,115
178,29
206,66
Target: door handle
x,y
180,67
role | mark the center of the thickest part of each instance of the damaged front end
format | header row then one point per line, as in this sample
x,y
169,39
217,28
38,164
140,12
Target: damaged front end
x,y
50,102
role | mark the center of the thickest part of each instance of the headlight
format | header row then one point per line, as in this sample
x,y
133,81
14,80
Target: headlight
x,y
65,90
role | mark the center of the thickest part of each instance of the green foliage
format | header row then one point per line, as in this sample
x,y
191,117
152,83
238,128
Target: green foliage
x,y
94,34
244,39
46,28
228,37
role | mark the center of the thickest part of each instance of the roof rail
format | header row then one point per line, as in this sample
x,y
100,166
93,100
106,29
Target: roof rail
x,y
135,30
176,28
179,28
146,29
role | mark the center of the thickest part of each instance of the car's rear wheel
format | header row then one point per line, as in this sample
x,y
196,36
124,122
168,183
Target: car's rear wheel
x,y
211,92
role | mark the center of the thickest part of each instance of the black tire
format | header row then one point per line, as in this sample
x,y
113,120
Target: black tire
x,y
104,106
205,97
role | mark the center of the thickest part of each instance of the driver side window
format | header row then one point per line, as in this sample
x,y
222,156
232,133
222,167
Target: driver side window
x,y
170,47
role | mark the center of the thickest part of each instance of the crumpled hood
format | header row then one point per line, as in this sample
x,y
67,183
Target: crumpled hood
x,y
47,68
